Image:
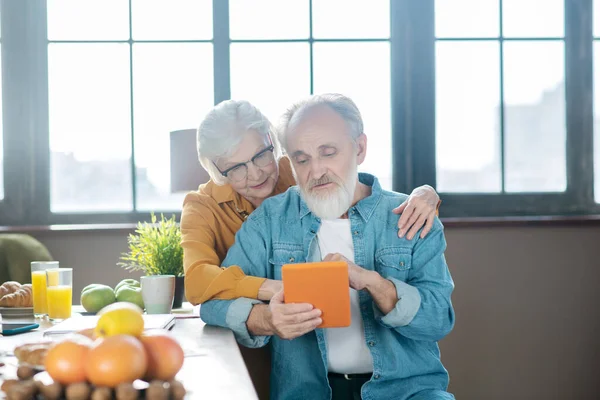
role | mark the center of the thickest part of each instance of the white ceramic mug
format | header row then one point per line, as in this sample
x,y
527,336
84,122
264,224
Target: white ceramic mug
x,y
158,292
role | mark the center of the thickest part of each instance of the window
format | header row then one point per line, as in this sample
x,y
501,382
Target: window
x,y
500,96
1,132
596,28
510,124
324,50
488,101
116,91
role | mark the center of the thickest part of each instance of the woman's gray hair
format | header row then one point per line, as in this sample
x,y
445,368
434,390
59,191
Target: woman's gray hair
x,y
222,130
339,103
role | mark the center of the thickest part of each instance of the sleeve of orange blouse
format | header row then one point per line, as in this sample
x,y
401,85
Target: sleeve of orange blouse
x,y
204,278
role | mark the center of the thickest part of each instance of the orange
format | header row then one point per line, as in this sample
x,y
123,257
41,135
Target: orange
x,y
165,355
66,360
115,360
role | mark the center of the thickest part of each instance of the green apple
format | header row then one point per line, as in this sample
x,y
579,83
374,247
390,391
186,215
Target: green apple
x,y
130,294
127,282
94,297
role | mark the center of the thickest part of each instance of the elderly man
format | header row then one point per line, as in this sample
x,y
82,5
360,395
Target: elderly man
x,y
400,289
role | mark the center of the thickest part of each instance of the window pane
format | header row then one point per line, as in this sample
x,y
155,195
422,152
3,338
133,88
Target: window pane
x,y
1,136
171,20
268,84
467,117
88,20
90,139
467,18
597,121
533,18
167,96
351,19
269,19
596,17
361,71
534,117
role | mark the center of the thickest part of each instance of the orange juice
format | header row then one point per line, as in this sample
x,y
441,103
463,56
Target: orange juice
x,y
60,299
52,277
38,288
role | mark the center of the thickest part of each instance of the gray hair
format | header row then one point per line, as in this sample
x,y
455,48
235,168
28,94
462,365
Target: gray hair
x,y
339,103
222,130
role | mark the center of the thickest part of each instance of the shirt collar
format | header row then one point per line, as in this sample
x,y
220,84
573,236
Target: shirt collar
x,y
223,193
365,207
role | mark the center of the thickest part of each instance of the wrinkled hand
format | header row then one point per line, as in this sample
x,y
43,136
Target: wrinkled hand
x,y
418,210
289,321
359,277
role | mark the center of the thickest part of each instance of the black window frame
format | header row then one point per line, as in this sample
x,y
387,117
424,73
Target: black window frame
x,y
414,126
412,43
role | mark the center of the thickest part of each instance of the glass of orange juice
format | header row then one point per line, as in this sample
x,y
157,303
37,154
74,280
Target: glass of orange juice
x,y
59,293
38,286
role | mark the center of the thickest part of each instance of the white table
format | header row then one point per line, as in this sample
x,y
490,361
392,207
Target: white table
x,y
213,367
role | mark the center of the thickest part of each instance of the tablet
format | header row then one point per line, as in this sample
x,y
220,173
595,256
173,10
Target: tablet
x,y
325,285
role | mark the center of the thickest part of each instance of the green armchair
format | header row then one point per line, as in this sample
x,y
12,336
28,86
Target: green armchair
x,y
17,251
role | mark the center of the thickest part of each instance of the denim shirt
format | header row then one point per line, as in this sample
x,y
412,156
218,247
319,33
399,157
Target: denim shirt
x,y
403,343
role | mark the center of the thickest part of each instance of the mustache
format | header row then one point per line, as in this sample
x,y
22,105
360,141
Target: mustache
x,y
322,181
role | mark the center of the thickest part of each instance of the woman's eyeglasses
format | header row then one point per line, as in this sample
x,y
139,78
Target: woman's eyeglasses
x,y
239,171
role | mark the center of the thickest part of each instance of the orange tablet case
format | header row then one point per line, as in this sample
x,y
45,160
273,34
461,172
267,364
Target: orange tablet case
x,y
325,285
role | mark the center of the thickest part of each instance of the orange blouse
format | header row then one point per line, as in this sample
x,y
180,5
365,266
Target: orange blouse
x,y
210,219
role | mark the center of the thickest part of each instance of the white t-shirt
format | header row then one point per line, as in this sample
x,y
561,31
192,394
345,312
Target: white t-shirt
x,y
347,351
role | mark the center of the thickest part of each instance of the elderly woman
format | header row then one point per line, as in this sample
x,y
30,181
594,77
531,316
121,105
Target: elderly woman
x,y
237,147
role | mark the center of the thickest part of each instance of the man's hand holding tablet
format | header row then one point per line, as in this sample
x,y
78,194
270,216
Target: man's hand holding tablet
x,y
289,321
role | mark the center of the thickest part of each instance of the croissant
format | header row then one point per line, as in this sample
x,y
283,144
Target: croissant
x,y
32,353
21,298
9,287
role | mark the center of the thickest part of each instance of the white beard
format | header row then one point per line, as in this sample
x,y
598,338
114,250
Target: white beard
x,y
334,202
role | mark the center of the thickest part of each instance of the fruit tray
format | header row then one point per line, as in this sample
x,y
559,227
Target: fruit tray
x,y
33,384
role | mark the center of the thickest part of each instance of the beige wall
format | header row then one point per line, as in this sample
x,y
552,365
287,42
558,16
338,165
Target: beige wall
x,y
527,306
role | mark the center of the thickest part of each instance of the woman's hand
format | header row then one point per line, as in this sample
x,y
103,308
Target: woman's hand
x,y
268,289
419,209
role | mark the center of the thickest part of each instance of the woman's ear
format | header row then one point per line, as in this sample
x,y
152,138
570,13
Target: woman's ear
x,y
361,148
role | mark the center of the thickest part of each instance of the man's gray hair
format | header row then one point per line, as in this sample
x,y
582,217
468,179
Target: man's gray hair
x,y
339,103
222,130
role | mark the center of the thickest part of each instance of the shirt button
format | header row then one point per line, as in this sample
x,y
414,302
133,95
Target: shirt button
x,y
292,259
402,263
372,343
355,233
376,376
353,211
312,231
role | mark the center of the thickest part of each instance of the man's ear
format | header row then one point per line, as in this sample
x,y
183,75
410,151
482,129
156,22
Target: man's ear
x,y
361,148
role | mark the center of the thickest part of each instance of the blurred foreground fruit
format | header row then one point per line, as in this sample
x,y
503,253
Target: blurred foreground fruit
x,y
120,319
165,355
115,360
65,362
95,297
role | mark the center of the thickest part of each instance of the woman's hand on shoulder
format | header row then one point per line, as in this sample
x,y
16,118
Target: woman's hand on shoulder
x,y
418,211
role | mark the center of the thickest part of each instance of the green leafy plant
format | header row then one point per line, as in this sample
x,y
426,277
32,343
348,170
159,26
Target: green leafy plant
x,y
155,248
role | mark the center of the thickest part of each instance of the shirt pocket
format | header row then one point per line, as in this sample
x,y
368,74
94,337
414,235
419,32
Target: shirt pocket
x,y
286,253
394,262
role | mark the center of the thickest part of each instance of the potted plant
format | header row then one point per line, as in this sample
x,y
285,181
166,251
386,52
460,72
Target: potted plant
x,y
155,249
